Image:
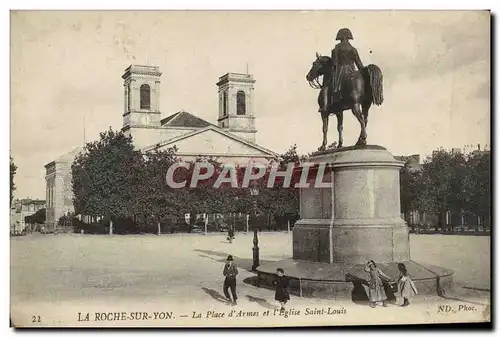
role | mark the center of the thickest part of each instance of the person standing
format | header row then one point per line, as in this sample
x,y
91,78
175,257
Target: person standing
x,y
281,294
376,292
230,233
230,271
406,286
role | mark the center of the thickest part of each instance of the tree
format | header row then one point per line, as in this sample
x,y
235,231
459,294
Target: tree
x,y
280,200
153,198
13,169
442,183
410,181
103,177
478,184
37,218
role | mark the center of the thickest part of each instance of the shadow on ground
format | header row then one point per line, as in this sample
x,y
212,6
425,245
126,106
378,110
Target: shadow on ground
x,y
216,295
359,294
462,293
254,281
262,302
240,262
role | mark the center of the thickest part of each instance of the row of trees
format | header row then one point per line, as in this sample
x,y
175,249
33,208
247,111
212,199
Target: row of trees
x,y
114,180
449,181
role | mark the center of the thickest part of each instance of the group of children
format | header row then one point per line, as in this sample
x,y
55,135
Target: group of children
x,y
376,291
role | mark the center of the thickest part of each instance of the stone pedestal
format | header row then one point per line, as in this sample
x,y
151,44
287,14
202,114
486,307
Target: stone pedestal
x,y
354,217
357,217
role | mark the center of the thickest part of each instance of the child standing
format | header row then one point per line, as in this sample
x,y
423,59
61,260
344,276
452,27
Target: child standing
x,y
281,294
376,292
406,286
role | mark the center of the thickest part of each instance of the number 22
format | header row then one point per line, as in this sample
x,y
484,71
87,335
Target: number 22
x,y
36,319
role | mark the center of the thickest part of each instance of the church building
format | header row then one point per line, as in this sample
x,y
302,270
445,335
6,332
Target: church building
x,y
231,140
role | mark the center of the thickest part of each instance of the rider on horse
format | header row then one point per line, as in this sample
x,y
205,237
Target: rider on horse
x,y
344,59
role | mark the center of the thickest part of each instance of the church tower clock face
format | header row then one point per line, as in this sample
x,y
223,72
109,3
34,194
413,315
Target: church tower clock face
x,y
146,120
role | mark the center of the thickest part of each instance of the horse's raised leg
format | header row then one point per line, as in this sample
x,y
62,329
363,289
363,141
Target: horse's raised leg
x,y
357,111
324,118
340,122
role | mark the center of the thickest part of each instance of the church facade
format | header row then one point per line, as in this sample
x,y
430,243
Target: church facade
x,y
231,140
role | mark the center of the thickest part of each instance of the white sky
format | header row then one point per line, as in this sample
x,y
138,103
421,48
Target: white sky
x,y
65,65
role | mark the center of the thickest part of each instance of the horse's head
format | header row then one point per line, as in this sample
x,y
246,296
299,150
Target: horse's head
x,y
318,68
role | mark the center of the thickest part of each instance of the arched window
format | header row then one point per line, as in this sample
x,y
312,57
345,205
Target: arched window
x,y
128,98
145,97
224,103
240,103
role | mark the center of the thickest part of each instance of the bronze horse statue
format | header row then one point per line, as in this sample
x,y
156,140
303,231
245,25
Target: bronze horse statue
x,y
359,91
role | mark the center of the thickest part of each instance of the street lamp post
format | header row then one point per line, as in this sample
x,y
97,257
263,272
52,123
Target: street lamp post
x,y
254,192
255,250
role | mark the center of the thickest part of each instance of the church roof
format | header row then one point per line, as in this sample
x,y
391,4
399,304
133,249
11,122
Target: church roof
x,y
68,157
214,128
184,119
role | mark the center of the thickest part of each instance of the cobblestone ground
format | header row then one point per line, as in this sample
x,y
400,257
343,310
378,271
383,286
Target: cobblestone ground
x,y
56,277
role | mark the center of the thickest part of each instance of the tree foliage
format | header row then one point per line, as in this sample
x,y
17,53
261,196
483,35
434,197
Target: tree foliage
x,y
36,218
111,179
103,176
477,184
449,181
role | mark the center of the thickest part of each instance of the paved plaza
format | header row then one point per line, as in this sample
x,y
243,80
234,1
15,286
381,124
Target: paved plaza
x,y
58,276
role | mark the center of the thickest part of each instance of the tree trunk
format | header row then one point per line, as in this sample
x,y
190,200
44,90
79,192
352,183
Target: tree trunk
x,y
110,226
159,228
192,220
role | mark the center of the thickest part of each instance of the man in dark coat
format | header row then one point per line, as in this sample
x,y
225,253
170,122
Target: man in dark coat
x,y
345,59
230,272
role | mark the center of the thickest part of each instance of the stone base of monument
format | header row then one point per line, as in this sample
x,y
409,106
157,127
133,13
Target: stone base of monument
x,y
351,218
338,280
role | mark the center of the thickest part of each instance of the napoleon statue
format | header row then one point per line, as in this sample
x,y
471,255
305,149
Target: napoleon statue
x,y
346,85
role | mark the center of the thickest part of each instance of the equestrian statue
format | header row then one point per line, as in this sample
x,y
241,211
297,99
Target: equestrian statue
x,y
344,87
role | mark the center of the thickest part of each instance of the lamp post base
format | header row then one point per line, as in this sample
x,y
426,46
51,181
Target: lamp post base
x,y
256,261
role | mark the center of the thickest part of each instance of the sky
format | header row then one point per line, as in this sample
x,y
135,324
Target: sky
x,y
66,68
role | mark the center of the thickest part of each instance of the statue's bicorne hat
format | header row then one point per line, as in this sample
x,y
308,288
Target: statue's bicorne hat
x,y
344,33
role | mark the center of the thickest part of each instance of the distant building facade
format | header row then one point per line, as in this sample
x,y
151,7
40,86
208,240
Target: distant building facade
x,y
412,162
59,190
20,209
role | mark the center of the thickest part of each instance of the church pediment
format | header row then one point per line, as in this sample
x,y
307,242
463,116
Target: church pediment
x,y
212,141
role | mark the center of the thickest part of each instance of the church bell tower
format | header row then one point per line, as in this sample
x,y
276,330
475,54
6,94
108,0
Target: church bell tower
x,y
236,105
142,98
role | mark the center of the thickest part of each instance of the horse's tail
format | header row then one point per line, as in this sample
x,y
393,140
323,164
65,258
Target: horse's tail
x,y
376,85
